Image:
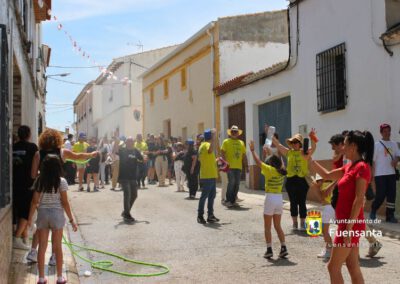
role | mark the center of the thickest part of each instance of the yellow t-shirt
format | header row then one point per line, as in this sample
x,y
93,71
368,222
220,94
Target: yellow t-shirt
x,y
296,164
273,179
141,146
324,187
234,150
80,147
208,165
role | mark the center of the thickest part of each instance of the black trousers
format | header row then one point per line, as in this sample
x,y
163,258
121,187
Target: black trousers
x,y
70,172
193,183
297,188
385,188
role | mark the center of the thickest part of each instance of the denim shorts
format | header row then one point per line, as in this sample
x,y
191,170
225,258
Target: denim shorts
x,y
50,218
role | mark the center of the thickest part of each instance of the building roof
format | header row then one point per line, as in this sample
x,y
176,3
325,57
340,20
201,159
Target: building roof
x,y
249,78
231,84
392,34
180,48
41,13
83,92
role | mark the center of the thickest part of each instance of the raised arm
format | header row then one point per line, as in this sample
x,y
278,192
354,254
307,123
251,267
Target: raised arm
x,y
255,156
282,149
78,156
324,173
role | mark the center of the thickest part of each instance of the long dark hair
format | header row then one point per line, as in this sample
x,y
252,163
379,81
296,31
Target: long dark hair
x,y
51,172
365,144
276,162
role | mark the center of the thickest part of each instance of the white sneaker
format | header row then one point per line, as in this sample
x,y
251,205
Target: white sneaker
x,y
18,243
325,253
52,260
32,256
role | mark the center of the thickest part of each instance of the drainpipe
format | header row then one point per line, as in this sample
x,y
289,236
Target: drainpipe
x,y
211,35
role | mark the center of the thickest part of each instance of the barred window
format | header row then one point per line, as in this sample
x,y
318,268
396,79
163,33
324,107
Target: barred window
x,y
331,79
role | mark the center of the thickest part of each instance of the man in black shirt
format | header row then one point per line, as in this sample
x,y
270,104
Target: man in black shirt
x,y
128,160
23,153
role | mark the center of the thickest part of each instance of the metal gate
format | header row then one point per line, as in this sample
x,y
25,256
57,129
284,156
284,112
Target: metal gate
x,y
278,114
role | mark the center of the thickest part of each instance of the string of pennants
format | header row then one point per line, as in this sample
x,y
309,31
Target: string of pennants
x,y
83,53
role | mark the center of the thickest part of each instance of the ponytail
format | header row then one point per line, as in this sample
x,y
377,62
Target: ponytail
x,y
369,147
365,144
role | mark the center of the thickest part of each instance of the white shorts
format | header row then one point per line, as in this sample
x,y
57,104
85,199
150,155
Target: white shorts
x,y
273,204
328,214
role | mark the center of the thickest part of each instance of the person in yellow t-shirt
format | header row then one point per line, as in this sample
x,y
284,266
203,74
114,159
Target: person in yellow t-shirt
x,y
324,190
297,170
233,150
208,177
80,147
141,168
274,174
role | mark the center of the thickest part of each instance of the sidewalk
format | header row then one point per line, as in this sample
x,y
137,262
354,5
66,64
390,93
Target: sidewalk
x,y
388,229
24,272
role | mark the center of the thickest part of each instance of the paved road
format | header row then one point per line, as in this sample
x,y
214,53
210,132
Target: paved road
x,y
232,251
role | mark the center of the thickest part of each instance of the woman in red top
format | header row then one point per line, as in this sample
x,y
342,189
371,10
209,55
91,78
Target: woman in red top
x,y
353,179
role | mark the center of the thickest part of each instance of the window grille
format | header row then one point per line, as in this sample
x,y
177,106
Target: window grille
x,y
331,79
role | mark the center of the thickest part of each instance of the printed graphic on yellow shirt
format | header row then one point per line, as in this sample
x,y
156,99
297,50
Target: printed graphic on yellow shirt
x,y
314,223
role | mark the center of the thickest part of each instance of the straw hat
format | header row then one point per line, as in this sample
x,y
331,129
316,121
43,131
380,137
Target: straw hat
x,y
297,137
234,128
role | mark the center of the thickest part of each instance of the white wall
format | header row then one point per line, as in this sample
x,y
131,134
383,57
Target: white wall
x,y
372,85
239,57
118,113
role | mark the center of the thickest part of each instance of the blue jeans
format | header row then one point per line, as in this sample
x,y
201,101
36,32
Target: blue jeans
x,y
233,185
209,188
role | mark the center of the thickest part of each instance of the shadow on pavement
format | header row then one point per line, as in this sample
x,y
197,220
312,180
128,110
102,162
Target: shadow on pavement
x,y
238,208
298,233
122,222
372,262
281,262
216,226
188,198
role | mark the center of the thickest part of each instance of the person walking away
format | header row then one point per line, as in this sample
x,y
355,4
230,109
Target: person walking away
x,y
102,148
80,147
208,177
161,162
141,146
233,151
297,170
129,157
191,167
93,167
274,174
69,167
178,165
386,157
51,200
23,153
324,190
353,179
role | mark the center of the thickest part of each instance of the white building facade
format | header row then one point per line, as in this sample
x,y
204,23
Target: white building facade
x,y
339,75
117,106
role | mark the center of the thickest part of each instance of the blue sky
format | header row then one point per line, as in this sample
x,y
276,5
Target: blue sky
x,y
107,31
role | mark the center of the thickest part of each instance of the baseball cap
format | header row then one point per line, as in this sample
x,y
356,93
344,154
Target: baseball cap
x,y
384,125
207,134
82,135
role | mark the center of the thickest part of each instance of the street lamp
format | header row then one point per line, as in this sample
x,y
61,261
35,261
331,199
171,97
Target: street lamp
x,y
58,75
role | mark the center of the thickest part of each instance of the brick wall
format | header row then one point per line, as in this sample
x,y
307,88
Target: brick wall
x,y
6,242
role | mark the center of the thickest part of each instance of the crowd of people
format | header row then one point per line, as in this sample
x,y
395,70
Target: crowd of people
x,y
359,166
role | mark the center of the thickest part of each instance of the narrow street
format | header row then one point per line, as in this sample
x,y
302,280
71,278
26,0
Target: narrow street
x,y
166,232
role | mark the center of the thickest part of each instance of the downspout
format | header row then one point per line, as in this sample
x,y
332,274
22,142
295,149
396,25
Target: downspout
x,y
211,35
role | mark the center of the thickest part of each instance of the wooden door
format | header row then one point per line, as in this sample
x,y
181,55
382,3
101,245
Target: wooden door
x,y
237,116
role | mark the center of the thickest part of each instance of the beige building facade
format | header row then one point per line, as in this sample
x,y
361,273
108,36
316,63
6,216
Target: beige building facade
x,y
178,91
